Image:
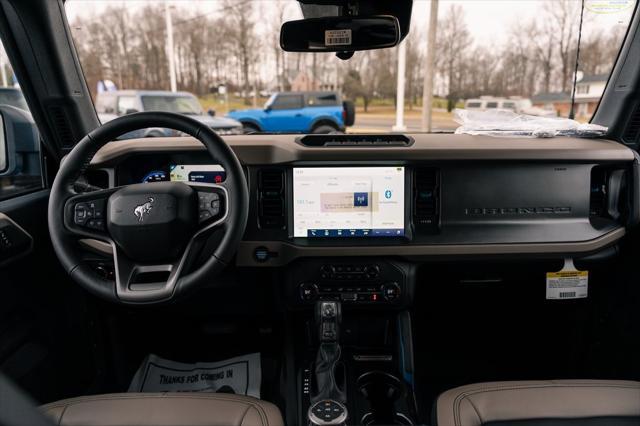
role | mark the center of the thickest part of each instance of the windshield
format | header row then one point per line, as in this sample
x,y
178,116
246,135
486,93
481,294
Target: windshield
x,y
179,104
517,56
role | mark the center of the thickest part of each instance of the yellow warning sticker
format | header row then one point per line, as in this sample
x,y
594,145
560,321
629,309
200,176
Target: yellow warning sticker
x,y
568,283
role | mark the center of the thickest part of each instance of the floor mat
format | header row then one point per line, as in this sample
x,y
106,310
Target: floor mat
x,y
240,375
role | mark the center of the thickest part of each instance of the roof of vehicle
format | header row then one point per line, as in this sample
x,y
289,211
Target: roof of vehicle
x,y
146,93
315,92
495,99
551,97
592,78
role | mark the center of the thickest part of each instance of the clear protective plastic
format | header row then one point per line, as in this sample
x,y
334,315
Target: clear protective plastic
x,y
499,122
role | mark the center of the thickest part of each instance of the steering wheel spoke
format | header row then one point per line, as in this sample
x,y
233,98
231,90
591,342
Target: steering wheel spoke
x,y
143,282
85,215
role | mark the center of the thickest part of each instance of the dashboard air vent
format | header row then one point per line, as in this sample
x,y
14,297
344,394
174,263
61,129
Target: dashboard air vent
x,y
365,141
608,198
62,126
598,198
426,195
632,129
271,198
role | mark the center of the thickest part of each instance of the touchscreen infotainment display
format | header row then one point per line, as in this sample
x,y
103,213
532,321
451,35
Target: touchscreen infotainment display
x,y
348,202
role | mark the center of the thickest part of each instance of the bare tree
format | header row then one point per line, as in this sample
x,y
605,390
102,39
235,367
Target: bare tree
x,y
564,15
453,42
241,18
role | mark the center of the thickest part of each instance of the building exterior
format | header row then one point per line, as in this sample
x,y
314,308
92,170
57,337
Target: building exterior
x,y
303,82
589,90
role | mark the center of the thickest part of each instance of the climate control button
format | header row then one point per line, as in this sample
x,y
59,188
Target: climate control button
x,y
308,291
391,291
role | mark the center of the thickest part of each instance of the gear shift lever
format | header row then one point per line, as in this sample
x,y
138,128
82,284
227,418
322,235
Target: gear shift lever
x,y
327,406
328,318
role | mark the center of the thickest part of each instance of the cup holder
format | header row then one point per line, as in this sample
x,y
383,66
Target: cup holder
x,y
382,391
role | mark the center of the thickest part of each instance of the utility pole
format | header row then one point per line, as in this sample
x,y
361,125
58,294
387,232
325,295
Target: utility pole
x,y
429,68
3,70
170,48
402,65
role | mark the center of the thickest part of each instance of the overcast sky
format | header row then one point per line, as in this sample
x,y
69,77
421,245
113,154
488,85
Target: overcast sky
x,y
487,20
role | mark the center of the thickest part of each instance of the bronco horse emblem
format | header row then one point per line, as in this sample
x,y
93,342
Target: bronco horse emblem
x,y
143,209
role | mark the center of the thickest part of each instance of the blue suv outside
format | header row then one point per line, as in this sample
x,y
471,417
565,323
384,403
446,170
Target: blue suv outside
x,y
298,112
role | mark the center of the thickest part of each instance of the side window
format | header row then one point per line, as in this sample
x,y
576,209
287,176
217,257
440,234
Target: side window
x,y
492,105
126,104
509,105
328,99
20,165
287,102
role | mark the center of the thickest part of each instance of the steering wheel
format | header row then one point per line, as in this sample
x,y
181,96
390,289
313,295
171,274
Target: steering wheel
x,y
155,229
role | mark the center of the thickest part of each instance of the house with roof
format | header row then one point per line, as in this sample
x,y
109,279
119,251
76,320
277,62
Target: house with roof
x,y
589,90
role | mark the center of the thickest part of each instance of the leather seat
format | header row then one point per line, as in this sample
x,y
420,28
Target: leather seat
x,y
541,403
164,409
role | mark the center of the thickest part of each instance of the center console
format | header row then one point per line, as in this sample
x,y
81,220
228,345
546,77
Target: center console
x,y
354,364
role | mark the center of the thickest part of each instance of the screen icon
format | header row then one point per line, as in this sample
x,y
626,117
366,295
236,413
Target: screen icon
x,y
360,199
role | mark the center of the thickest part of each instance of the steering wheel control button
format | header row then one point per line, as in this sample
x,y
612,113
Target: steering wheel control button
x,y
209,205
90,214
80,214
327,412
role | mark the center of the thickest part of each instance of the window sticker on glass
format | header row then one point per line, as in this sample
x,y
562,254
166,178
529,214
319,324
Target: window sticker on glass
x,y
337,37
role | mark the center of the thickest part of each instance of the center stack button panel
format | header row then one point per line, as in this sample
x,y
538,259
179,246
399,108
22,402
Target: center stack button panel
x,y
366,282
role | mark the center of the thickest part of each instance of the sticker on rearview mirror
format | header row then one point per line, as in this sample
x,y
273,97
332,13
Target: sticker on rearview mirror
x,y
337,38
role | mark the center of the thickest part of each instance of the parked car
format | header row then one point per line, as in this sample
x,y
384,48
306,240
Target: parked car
x,y
299,112
518,105
110,105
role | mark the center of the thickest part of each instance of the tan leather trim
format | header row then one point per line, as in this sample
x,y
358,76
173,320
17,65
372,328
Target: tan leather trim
x,y
473,405
283,149
287,252
164,409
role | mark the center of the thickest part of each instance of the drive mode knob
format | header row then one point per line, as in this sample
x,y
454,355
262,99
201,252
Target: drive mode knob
x,y
390,291
327,413
308,291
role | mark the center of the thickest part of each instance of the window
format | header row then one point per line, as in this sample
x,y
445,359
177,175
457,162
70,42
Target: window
x,y
287,102
582,89
230,60
126,104
322,100
20,166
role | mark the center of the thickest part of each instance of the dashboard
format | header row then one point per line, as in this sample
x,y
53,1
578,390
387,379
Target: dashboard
x,y
442,196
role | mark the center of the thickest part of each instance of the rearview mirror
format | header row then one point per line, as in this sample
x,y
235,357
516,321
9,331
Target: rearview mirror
x,y
340,34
